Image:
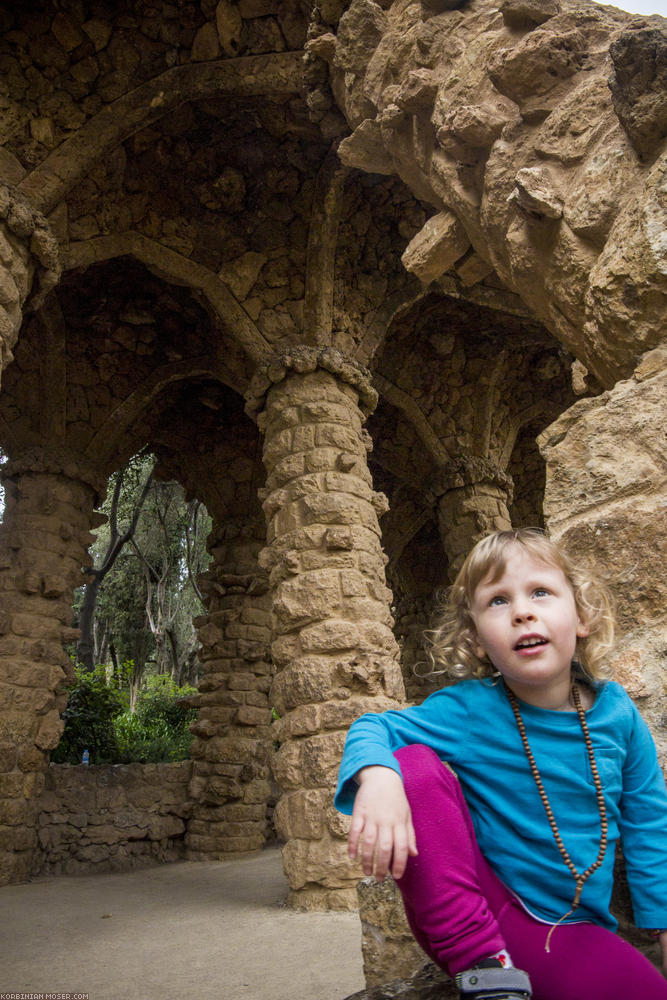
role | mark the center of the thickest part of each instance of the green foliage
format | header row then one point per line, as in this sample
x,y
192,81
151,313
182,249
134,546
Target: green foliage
x,y
145,598
97,719
89,720
158,730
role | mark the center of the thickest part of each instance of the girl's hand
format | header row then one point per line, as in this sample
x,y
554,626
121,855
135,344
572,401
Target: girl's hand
x,y
381,823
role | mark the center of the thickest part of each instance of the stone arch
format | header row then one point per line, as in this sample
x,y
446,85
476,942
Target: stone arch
x,y
457,382
174,267
56,360
207,443
69,414
274,74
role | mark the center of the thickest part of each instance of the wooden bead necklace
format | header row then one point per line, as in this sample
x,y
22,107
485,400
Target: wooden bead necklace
x,y
579,878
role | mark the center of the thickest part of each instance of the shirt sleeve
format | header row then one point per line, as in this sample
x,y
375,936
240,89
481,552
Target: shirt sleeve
x,y
440,722
643,827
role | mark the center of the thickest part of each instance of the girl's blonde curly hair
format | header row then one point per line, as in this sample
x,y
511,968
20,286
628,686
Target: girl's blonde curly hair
x,y
451,644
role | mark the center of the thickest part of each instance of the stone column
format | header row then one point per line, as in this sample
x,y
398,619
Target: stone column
x,y
468,512
44,539
333,647
231,785
29,263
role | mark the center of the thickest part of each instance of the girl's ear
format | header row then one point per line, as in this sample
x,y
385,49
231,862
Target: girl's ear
x,y
480,652
583,630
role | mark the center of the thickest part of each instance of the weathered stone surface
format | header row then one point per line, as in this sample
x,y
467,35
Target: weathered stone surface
x,y
639,86
555,104
615,521
311,412
388,947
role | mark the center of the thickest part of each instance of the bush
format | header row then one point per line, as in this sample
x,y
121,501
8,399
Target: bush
x,y
159,728
89,720
97,719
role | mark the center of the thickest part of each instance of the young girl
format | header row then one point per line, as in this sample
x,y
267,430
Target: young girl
x,y
497,803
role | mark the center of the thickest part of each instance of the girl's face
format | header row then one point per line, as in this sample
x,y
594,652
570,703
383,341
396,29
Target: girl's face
x,y
527,624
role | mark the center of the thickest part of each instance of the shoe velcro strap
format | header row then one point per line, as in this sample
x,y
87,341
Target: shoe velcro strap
x,y
505,984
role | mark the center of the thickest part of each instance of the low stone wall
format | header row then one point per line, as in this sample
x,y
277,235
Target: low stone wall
x,y
112,817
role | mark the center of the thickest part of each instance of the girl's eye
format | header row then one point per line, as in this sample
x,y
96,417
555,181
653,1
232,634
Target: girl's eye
x,y
540,592
496,602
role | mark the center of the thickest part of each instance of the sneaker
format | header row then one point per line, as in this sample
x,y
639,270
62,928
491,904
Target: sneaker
x,y
490,981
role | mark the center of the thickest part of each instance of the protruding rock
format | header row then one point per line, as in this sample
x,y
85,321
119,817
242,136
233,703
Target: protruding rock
x,y
528,13
418,92
441,6
365,150
229,25
436,247
472,125
639,86
360,29
535,193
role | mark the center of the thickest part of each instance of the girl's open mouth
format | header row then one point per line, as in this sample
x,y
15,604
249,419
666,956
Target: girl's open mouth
x,y
530,644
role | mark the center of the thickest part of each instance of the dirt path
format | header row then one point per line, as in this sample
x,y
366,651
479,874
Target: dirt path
x,y
188,931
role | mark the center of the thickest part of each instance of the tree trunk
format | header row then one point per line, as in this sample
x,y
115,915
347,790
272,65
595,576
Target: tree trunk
x,y
85,650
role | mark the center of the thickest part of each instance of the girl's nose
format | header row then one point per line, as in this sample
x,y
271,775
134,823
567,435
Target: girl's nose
x,y
523,615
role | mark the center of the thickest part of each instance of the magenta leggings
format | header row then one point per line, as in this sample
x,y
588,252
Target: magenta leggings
x,y
460,912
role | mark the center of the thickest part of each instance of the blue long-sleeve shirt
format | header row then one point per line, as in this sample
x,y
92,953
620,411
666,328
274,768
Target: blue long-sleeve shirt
x,y
471,726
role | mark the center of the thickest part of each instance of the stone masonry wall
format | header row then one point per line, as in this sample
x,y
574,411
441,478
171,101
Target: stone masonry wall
x,y
112,817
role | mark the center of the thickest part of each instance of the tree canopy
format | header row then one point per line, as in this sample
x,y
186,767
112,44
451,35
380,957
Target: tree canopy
x,y
136,608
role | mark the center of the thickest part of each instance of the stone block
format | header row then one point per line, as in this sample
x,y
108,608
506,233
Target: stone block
x,y
165,826
310,679
108,834
324,862
242,682
49,732
536,194
206,45
320,758
309,597
16,838
311,898
232,750
365,149
249,716
527,13
94,853
229,24
286,766
301,813
244,812
436,247
638,86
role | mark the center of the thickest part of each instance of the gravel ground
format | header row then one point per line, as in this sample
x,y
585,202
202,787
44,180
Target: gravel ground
x,y
199,930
